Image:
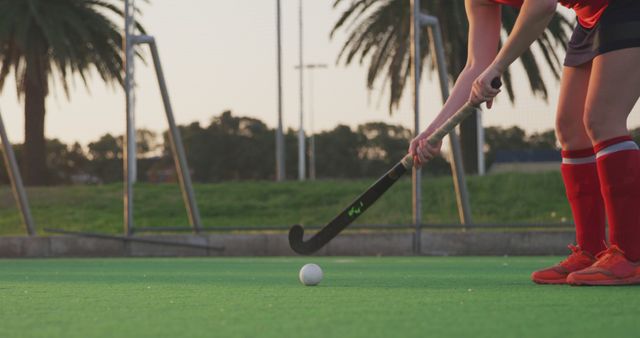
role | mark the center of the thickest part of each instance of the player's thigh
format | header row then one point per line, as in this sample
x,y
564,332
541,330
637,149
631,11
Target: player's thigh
x,y
614,88
569,117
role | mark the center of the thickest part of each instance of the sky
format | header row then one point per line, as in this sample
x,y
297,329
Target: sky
x,y
220,55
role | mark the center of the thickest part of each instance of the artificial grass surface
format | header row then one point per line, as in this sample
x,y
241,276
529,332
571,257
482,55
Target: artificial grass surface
x,y
359,297
504,198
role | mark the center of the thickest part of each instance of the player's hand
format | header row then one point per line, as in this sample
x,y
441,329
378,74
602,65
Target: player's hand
x,y
482,91
422,151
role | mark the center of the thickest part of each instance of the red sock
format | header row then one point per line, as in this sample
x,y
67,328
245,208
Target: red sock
x,y
580,175
619,172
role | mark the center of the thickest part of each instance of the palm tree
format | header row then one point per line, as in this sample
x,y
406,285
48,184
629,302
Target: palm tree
x,y
47,40
378,32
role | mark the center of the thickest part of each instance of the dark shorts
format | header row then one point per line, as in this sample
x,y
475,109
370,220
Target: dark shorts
x,y
618,28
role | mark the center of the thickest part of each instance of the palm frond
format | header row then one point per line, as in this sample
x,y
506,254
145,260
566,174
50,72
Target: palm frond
x,y
80,39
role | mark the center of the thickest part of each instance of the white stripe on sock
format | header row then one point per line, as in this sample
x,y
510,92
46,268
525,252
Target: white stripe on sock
x,y
627,145
580,160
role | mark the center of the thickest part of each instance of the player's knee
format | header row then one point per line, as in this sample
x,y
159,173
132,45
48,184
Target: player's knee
x,y
568,130
595,123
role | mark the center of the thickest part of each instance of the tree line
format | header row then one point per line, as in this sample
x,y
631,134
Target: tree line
x,y
233,147
229,148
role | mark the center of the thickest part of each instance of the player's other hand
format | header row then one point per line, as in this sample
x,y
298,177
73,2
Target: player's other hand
x,y
422,151
482,91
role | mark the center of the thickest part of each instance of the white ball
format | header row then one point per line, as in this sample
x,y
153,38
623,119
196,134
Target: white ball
x,y
310,274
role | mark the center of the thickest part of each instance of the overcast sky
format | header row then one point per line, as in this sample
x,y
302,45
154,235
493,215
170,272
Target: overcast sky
x,y
220,55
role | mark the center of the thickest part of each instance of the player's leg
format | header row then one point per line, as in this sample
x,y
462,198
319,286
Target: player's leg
x,y
579,170
613,91
580,176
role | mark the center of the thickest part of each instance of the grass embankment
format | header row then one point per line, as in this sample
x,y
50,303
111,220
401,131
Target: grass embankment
x,y
500,198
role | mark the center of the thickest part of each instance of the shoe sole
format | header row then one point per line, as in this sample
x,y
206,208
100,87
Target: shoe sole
x,y
606,282
550,281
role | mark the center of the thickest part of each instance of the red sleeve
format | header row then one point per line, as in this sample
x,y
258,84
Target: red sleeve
x,y
588,11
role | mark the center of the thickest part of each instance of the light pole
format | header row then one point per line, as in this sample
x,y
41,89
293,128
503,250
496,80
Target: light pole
x,y
301,142
312,139
280,160
129,146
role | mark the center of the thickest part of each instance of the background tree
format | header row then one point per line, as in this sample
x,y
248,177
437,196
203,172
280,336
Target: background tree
x,y
382,145
337,153
378,32
106,158
543,140
64,161
41,39
515,139
238,148
146,143
230,148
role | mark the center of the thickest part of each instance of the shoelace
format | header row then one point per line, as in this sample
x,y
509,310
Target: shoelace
x,y
606,256
576,252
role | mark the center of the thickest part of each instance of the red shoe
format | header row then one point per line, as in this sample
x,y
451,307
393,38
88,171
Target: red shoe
x,y
612,268
557,274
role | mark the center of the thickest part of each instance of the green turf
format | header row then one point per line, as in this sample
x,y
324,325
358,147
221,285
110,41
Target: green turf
x,y
360,297
495,198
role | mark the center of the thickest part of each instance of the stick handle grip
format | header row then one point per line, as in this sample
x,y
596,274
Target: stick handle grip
x,y
444,130
464,112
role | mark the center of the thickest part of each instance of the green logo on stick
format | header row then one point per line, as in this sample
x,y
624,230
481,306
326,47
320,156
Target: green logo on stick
x,y
356,210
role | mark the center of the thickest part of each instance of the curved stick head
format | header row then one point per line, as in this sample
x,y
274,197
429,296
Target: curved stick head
x,y
296,235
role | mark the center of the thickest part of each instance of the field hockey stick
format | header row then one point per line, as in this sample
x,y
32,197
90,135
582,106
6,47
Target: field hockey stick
x,y
369,197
